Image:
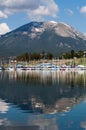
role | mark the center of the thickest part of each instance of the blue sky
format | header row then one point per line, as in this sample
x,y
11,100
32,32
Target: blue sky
x,y
14,13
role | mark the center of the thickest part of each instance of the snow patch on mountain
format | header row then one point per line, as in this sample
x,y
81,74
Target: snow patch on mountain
x,y
67,25
36,29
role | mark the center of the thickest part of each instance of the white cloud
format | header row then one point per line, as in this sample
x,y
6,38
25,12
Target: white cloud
x,y
83,10
34,8
47,8
2,15
4,28
19,4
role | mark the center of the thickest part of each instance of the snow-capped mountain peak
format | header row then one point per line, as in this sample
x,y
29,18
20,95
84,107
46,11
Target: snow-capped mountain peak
x,y
61,29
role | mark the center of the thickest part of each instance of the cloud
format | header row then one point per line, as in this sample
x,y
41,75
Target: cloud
x,y
4,28
33,8
2,15
47,8
19,4
69,12
83,10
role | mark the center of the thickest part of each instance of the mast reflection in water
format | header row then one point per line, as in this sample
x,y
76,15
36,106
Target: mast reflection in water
x,y
43,100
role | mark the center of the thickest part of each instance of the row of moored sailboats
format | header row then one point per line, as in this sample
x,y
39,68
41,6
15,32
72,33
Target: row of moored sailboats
x,y
45,66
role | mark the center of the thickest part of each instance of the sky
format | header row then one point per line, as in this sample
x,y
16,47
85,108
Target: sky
x,y
15,13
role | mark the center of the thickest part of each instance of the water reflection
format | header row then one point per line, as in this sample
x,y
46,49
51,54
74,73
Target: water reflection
x,y
46,77
44,123
4,121
83,124
43,91
3,106
37,97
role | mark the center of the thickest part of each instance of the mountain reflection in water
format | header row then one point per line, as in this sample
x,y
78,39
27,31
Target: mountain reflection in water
x,y
39,94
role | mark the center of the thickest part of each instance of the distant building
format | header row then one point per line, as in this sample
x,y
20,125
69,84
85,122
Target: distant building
x,y
84,53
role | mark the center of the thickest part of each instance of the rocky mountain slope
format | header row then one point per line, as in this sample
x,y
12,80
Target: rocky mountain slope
x,y
47,36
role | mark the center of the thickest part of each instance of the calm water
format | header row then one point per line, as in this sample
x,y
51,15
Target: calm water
x,y
43,100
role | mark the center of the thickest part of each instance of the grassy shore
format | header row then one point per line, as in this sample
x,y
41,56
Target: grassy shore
x,y
80,61
58,62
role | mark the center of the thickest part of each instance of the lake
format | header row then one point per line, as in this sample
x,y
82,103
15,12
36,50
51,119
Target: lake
x,y
42,100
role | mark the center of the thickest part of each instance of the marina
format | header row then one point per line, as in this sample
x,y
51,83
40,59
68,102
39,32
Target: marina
x,y
45,66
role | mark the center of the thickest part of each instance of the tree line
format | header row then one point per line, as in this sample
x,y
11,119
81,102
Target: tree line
x,y
49,56
72,54
34,56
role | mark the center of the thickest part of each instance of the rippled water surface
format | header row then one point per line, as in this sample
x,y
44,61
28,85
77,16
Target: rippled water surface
x,y
43,100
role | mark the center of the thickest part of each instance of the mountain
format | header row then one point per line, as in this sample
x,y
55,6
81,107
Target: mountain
x,y
47,36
